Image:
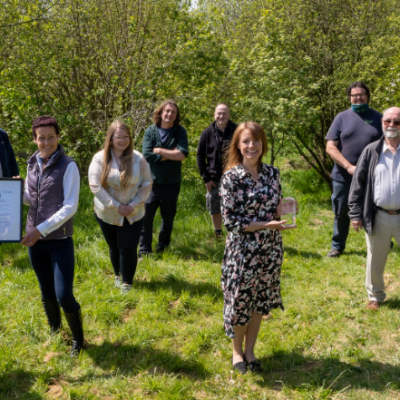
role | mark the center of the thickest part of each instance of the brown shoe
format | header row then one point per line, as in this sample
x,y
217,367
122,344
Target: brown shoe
x,y
373,305
334,253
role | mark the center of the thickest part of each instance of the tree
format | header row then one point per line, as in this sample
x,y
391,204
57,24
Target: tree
x,y
89,62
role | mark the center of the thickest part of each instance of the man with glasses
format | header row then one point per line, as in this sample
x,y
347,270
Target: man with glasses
x,y
374,202
351,131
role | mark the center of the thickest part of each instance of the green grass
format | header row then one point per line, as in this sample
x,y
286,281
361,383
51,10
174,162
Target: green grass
x,y
164,340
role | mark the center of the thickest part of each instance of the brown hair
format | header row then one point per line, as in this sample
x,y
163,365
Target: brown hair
x,y
45,120
126,160
159,110
233,156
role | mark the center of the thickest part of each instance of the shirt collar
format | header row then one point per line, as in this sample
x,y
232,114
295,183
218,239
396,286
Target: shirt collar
x,y
40,160
385,147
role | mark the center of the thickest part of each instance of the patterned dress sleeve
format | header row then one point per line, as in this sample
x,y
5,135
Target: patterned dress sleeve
x,y
232,210
278,178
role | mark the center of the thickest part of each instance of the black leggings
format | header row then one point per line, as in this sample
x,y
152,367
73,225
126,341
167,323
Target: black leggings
x,y
122,243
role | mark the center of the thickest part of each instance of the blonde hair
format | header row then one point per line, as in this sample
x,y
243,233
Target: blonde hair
x,y
233,156
126,159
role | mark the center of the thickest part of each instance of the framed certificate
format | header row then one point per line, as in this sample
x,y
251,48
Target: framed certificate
x,y
11,195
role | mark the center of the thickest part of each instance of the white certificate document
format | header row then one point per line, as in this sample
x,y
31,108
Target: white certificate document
x,y
11,210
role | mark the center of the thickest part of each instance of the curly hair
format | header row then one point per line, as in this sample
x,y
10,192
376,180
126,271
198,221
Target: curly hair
x,y
160,109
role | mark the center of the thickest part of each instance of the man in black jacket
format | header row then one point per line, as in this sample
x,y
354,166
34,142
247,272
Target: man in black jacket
x,y
8,163
210,152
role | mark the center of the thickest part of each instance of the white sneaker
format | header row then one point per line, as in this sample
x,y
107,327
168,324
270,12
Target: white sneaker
x,y
126,287
117,282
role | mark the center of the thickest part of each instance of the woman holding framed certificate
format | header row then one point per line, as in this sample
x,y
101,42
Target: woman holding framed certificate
x,y
250,196
52,194
120,180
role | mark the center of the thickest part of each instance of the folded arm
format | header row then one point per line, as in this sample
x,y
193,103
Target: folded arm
x,y
174,155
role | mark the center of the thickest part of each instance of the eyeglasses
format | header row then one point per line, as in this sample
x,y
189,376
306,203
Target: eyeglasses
x,y
389,121
358,95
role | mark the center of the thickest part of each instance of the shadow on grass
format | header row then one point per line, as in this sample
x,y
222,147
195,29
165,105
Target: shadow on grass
x,y
295,252
392,303
362,253
327,375
17,384
14,256
178,286
130,360
207,251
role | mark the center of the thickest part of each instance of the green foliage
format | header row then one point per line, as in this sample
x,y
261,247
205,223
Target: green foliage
x,y
284,64
291,62
89,62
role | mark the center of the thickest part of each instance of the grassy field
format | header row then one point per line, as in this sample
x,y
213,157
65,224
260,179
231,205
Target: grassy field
x,y
165,340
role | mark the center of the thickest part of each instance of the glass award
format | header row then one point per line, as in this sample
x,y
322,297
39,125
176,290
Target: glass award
x,y
289,211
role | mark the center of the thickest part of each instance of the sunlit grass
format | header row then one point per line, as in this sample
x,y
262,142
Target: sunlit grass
x,y
164,340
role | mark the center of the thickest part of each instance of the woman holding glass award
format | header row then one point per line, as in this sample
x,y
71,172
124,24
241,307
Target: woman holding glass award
x,y
52,194
250,197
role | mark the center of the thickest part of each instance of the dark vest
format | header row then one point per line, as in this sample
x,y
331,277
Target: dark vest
x,y
49,198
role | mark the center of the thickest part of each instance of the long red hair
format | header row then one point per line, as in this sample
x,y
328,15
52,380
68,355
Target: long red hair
x,y
233,156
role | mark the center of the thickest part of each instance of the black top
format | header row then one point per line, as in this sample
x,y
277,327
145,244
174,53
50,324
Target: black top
x,y
7,158
354,131
212,146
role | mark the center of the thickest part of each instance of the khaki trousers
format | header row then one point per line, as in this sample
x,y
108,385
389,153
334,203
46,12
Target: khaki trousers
x,y
378,247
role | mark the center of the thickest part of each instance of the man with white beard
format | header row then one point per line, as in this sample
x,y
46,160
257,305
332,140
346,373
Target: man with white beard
x,y
374,202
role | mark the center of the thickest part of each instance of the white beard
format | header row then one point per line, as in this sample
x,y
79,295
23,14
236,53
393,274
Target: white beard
x,y
391,132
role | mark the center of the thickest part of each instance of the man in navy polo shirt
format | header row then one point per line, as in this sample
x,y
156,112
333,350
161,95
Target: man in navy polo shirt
x,y
351,131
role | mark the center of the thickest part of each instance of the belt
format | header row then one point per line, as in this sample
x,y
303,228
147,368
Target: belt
x,y
390,212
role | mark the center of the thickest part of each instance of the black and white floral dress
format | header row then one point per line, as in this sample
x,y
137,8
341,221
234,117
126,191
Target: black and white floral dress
x,y
252,260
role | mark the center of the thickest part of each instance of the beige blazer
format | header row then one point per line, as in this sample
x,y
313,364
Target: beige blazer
x,y
106,202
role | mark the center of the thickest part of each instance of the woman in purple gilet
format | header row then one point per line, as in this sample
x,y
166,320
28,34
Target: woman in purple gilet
x,y
52,194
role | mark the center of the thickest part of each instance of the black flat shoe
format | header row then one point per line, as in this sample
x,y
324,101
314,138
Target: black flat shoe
x,y
254,366
241,366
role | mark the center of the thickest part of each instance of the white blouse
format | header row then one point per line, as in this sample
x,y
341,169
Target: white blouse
x,y
106,202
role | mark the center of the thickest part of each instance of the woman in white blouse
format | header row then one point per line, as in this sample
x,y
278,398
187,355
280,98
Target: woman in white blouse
x,y
121,181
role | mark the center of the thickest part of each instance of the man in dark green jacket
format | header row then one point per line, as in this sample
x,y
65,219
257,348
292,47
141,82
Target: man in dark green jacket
x,y
165,146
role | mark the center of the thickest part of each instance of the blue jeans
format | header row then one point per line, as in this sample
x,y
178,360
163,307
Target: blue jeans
x,y
165,197
122,243
340,207
53,262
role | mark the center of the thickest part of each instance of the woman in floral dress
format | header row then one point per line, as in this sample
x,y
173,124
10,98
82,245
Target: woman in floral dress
x,y
250,196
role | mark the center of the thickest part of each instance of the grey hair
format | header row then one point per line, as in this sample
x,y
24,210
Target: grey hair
x,y
386,109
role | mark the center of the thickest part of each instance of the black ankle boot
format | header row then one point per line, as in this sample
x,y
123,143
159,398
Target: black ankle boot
x,y
53,314
75,324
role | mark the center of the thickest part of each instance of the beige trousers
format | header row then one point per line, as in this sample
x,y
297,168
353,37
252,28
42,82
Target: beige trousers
x,y
378,247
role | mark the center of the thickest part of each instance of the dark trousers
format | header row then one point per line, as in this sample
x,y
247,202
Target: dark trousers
x,y
122,243
340,207
165,197
53,262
